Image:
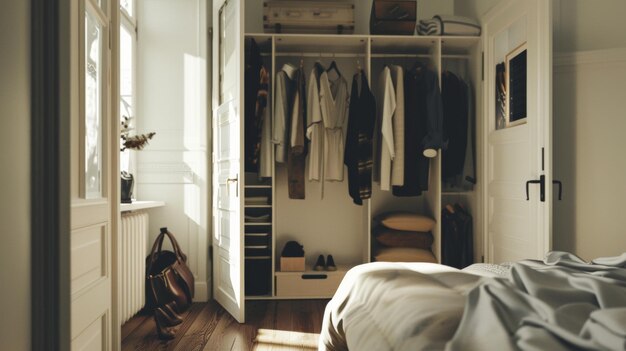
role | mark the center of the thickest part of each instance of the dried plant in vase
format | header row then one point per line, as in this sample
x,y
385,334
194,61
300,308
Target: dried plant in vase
x,y
133,142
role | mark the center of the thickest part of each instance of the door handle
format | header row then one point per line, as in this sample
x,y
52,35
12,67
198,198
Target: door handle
x,y
542,187
558,182
236,181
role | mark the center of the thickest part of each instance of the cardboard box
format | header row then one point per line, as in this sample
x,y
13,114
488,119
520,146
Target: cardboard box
x,y
292,264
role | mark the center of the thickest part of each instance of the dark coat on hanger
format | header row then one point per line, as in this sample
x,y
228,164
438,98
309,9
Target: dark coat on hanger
x,y
297,145
358,155
455,124
422,128
255,101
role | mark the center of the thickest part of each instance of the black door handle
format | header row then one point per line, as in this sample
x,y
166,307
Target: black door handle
x,y
542,187
558,182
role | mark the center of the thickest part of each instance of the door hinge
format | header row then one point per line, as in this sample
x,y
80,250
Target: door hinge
x,y
211,252
482,66
482,259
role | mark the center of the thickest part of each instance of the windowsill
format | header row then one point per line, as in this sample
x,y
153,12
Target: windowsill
x,y
140,205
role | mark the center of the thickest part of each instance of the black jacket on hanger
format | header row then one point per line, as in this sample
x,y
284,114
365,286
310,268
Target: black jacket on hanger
x,y
455,122
358,155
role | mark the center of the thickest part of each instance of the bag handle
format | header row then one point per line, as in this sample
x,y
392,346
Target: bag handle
x,y
177,250
157,247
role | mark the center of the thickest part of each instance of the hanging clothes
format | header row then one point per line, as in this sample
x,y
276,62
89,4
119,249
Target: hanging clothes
x,y
253,113
457,237
314,130
264,150
455,120
397,166
284,91
358,152
334,105
297,149
468,177
422,121
385,148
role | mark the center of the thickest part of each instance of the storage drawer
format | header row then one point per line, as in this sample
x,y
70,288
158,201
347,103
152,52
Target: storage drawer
x,y
310,284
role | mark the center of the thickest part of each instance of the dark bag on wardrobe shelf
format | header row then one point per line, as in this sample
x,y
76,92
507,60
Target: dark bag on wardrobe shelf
x,y
169,285
393,17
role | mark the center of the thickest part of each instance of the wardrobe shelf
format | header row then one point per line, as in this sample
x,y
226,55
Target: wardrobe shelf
x,y
452,193
258,206
258,186
258,224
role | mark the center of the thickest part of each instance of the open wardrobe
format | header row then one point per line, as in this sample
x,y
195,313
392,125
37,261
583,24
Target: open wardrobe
x,y
326,139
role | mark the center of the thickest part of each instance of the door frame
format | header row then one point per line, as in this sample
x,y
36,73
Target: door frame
x,y
544,103
50,174
51,108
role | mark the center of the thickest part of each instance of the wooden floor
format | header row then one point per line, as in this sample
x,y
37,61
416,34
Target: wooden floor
x,y
270,325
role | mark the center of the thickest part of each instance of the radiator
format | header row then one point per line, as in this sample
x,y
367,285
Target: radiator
x,y
134,241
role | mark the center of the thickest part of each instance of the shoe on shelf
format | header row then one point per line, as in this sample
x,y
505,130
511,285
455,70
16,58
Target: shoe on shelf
x,y
320,265
330,264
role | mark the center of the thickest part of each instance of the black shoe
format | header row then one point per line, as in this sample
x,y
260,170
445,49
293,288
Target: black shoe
x,y
320,264
330,264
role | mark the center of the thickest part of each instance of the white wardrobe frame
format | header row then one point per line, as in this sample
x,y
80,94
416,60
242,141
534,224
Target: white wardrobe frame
x,y
373,50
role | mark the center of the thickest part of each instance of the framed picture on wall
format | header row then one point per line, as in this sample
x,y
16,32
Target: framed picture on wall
x,y
511,89
517,79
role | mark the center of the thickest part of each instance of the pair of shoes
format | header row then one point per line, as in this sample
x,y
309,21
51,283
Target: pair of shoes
x,y
328,265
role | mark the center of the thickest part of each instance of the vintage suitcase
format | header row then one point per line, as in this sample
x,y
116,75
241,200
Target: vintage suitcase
x,y
317,17
393,17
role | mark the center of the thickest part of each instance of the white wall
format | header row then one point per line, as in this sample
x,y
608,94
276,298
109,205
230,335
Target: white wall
x,y
579,25
589,144
172,101
15,179
589,24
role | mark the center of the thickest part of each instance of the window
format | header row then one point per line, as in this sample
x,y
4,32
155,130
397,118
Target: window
x,y
94,95
128,43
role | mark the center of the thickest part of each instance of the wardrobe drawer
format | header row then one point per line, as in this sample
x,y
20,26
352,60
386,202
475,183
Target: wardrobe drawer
x,y
322,284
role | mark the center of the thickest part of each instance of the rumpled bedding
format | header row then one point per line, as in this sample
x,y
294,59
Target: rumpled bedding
x,y
560,303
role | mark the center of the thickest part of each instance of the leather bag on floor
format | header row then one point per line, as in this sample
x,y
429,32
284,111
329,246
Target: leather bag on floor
x,y
169,285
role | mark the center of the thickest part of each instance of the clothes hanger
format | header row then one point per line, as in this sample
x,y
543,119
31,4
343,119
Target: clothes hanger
x,y
450,208
333,66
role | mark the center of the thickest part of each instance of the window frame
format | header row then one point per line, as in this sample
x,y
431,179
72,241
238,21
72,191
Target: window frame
x,y
99,14
129,24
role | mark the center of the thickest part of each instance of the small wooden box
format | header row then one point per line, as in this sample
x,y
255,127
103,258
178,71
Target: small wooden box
x,y
292,264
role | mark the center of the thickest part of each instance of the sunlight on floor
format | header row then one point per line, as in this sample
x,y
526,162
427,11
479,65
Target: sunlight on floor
x,y
270,339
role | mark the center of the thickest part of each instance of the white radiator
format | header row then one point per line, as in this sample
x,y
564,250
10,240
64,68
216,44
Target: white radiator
x,y
134,245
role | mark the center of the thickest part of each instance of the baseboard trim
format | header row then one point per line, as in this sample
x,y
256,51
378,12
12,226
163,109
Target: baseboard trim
x,y
201,291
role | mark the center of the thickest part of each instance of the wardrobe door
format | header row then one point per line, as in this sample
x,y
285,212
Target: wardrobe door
x,y
517,132
228,254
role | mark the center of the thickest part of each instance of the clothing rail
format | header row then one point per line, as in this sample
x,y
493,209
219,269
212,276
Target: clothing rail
x,y
352,55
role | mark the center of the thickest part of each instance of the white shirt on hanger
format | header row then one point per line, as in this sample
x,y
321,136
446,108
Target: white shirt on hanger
x,y
387,99
314,128
281,113
397,166
334,109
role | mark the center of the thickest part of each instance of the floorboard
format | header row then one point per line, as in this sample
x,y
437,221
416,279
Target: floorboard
x,y
270,326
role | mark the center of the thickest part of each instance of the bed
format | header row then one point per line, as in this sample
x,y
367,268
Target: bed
x,y
560,303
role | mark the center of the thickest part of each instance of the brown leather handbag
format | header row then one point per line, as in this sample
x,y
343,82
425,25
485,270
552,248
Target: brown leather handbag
x,y
169,285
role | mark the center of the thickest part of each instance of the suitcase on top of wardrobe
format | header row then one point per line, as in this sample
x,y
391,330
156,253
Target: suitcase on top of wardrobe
x,y
397,17
316,17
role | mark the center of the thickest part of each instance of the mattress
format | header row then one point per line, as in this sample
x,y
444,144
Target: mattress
x,y
559,303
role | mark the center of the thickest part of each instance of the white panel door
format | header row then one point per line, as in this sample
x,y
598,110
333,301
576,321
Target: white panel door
x,y
517,43
228,257
91,230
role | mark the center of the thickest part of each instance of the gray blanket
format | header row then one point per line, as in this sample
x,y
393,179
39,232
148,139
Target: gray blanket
x,y
561,303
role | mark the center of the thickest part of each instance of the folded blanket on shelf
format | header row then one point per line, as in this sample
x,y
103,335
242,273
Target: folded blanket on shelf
x,y
449,25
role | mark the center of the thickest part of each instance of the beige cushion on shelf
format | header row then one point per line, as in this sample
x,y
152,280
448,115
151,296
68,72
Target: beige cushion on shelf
x,y
405,254
399,238
407,221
